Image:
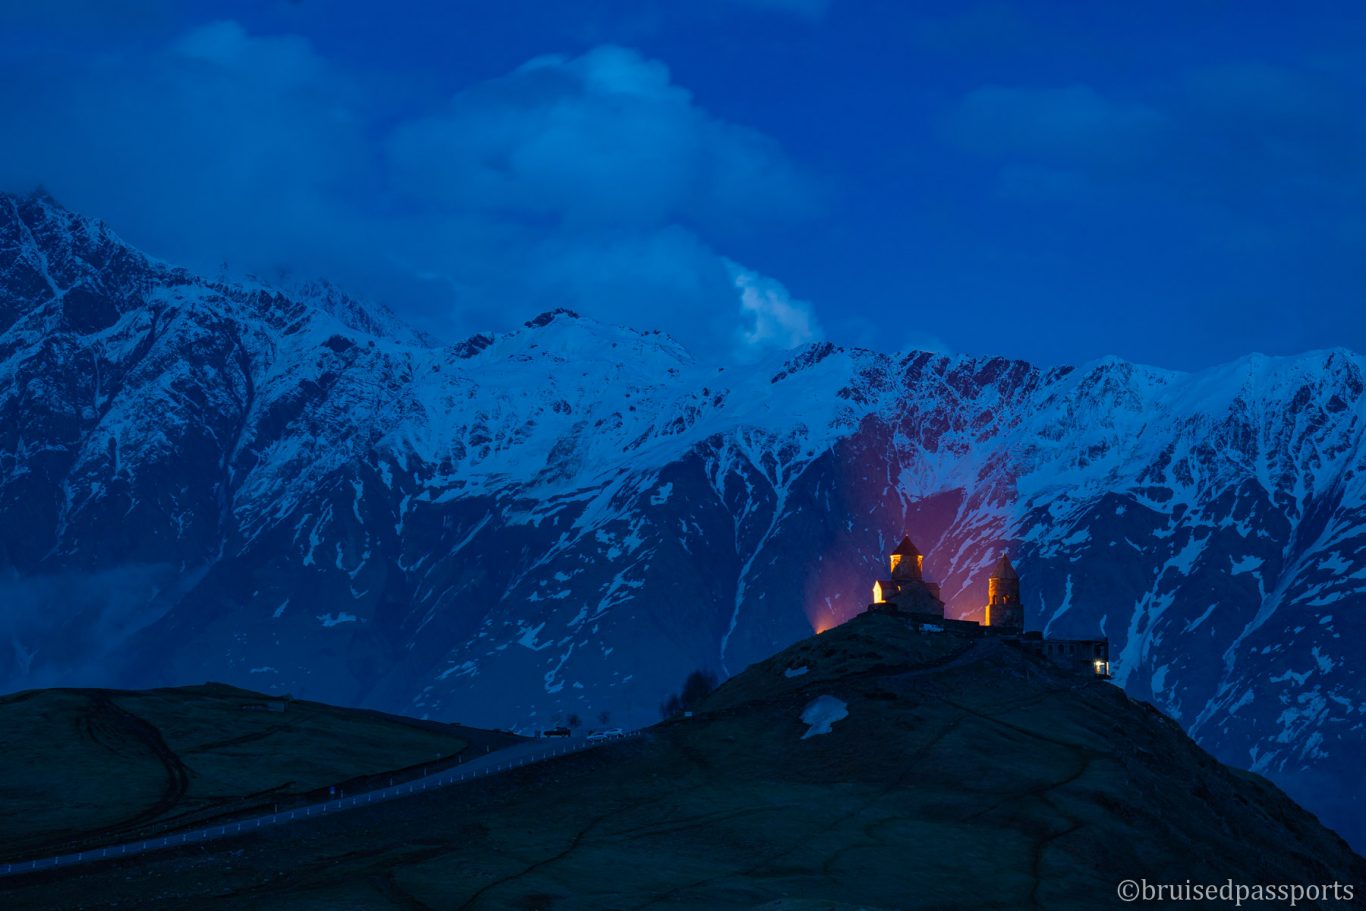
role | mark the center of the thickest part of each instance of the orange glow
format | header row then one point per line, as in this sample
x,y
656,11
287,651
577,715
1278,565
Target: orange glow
x,y
828,604
962,532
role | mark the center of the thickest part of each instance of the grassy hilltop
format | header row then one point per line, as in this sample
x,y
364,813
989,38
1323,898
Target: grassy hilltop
x,y
965,775
82,767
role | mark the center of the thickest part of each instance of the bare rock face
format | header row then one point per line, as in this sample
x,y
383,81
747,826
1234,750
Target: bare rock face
x,y
294,492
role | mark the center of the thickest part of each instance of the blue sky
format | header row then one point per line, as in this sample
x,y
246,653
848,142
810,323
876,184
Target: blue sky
x,y
1175,183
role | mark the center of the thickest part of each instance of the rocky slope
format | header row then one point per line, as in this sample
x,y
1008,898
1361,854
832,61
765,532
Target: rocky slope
x,y
291,492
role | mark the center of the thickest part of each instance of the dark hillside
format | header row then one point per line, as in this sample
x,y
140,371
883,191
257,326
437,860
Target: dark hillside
x,y
963,774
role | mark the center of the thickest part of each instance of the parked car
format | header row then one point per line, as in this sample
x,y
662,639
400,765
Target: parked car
x,y
560,731
608,734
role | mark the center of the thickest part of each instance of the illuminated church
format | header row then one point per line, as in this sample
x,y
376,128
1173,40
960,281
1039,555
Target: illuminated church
x,y
907,591
906,594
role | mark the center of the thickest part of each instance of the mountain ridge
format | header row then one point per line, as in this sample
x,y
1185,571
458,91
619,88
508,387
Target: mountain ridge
x,y
201,478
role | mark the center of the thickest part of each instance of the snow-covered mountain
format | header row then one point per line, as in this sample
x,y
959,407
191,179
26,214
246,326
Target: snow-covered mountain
x,y
201,480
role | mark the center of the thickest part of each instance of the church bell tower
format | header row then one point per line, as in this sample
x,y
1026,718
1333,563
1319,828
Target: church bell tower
x,y
1004,612
907,563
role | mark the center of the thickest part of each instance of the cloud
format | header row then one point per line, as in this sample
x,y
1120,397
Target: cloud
x,y
601,178
594,180
220,145
1262,126
773,318
601,139
90,16
1074,125
810,9
1233,188
68,629
1243,137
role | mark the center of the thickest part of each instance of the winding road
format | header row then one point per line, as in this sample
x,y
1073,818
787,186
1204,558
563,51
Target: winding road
x,y
513,757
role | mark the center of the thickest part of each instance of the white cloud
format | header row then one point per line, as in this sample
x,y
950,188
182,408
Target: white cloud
x,y
594,181
770,316
601,139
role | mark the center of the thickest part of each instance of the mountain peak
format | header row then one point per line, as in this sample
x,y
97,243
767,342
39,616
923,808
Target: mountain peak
x,y
550,316
38,195
373,319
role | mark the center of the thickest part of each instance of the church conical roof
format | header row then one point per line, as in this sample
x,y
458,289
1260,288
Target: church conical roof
x,y
906,548
1003,569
